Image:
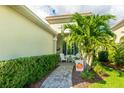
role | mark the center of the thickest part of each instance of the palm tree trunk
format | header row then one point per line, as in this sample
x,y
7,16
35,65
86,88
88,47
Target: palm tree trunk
x,y
89,59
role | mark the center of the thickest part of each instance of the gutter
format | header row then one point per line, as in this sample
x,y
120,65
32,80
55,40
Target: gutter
x,y
26,12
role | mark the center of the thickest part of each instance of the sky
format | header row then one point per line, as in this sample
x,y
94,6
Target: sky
x,y
48,10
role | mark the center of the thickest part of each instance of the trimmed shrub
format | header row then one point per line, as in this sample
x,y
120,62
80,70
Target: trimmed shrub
x,y
22,71
103,56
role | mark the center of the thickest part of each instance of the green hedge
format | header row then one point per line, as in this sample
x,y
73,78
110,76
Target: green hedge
x,y
21,71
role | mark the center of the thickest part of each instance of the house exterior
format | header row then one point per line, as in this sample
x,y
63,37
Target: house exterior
x,y
57,22
22,34
118,29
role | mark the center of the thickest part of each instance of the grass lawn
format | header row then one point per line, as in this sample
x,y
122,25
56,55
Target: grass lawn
x,y
114,80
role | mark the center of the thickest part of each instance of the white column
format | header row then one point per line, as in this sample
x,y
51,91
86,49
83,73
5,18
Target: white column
x,y
54,44
62,37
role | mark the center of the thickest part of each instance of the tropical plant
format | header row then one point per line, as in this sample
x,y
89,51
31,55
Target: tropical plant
x,y
111,54
91,34
103,56
119,57
87,75
122,39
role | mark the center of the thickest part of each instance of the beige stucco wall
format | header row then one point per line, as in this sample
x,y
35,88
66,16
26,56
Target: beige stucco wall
x,y
119,33
20,37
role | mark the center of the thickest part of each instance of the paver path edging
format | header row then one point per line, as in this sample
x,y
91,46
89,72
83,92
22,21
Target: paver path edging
x,y
61,77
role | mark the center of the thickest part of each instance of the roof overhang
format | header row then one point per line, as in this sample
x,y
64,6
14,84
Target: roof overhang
x,y
63,18
26,12
118,25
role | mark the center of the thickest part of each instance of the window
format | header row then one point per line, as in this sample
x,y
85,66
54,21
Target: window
x,y
73,50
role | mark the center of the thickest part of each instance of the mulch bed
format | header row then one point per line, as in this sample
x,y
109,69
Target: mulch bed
x,y
112,65
38,83
78,82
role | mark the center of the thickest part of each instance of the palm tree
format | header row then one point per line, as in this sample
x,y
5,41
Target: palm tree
x,y
91,34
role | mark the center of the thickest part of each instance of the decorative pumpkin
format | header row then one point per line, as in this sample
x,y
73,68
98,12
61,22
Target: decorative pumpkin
x,y
79,66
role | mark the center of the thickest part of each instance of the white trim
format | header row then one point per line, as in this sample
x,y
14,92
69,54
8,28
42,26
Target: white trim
x,y
118,25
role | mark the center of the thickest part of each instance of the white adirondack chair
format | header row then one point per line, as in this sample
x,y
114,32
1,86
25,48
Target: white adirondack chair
x,y
77,55
62,57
